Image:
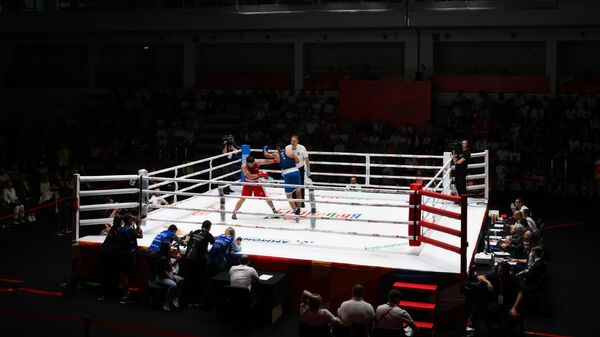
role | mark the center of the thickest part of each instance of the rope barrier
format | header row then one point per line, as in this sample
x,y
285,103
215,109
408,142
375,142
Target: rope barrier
x,y
36,208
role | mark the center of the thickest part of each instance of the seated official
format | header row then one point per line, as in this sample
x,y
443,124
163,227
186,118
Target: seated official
x,y
391,316
311,312
514,242
530,222
534,271
516,218
524,257
242,275
356,310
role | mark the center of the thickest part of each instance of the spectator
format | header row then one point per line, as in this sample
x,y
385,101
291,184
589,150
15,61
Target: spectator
x,y
243,275
356,310
9,196
353,184
46,190
27,195
311,312
196,257
391,316
156,199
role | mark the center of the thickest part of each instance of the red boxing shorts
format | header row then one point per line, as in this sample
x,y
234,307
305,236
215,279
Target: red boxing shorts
x,y
257,191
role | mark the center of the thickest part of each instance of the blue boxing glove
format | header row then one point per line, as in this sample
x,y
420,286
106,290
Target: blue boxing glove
x,y
266,148
307,172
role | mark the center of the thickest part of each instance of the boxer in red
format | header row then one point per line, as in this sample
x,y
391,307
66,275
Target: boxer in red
x,y
250,169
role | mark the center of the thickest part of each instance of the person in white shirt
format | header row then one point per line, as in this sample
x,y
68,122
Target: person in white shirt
x,y
9,196
304,164
157,200
391,316
518,205
356,310
243,275
526,214
311,312
353,184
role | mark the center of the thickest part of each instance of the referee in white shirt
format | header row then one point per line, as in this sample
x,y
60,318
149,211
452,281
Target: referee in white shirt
x,y
304,164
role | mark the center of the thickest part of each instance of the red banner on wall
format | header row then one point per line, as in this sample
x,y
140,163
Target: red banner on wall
x,y
396,102
491,83
585,85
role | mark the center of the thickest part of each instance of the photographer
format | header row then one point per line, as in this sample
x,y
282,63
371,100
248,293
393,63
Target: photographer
x,y
230,146
460,157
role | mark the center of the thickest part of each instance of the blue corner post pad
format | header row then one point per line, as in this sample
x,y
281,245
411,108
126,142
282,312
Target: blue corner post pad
x,y
245,153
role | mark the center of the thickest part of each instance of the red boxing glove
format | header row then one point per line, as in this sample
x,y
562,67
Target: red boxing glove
x,y
263,174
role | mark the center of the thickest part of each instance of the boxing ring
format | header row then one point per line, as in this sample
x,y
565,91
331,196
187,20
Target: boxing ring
x,y
401,217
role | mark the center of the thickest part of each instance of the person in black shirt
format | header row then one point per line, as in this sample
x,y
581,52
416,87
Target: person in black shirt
x,y
127,237
196,257
461,161
109,260
505,296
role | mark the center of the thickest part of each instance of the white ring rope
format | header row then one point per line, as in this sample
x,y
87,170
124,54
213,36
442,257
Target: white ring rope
x,y
205,160
198,173
379,155
239,183
283,215
416,167
204,195
304,229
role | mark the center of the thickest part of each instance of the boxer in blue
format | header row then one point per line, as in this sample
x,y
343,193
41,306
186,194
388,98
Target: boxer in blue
x,y
291,175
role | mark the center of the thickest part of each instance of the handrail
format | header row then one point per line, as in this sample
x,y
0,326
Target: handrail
x,y
437,174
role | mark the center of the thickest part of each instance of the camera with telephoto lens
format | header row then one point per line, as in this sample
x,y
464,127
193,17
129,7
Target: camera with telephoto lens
x,y
456,146
228,140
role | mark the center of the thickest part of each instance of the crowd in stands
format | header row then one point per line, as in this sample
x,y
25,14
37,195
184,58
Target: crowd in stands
x,y
524,133
531,138
27,188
